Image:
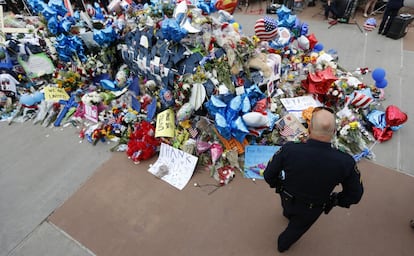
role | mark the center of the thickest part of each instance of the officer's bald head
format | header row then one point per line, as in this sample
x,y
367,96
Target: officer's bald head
x,y
322,125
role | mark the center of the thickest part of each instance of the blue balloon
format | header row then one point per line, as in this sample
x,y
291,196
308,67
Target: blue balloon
x,y
305,29
378,74
38,96
318,47
381,84
27,100
108,85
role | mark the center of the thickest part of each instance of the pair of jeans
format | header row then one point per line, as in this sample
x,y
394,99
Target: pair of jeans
x,y
331,9
387,18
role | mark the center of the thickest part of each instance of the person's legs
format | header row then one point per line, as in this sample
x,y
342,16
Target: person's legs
x,y
372,9
369,7
392,14
385,17
299,223
334,11
326,11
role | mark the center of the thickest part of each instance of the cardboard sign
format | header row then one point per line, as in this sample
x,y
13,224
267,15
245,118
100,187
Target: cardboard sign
x,y
291,128
55,94
174,166
296,105
37,65
256,159
165,124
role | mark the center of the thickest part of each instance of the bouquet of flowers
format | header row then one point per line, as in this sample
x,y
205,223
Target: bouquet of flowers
x,y
353,138
69,80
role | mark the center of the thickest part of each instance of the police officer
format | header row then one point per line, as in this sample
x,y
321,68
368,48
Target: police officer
x,y
305,175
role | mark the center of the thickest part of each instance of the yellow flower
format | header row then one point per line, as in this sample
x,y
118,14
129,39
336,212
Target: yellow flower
x,y
353,125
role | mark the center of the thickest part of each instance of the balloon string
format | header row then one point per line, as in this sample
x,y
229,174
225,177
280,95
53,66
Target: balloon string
x,y
382,94
373,145
380,136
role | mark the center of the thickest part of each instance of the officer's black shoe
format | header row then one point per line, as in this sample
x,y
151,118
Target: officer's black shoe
x,y
281,249
287,216
412,224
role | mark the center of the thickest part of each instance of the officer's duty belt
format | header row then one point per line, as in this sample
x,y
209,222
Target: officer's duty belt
x,y
310,205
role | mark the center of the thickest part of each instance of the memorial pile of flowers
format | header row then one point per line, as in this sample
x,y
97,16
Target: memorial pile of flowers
x,y
183,73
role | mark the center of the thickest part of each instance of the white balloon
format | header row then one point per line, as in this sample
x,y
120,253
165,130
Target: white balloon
x,y
303,42
255,119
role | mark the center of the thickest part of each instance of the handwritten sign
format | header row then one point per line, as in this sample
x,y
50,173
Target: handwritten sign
x,y
174,166
296,105
55,94
37,65
165,124
256,159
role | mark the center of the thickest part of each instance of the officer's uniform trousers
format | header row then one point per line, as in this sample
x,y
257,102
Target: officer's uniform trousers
x,y
301,217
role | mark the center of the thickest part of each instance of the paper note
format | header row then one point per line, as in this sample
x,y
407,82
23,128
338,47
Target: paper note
x,y
174,166
55,94
165,124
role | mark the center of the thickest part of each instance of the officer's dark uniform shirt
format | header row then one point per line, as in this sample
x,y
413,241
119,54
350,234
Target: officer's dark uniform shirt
x,y
312,171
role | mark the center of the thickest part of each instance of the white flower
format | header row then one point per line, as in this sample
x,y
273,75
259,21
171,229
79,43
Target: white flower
x,y
186,86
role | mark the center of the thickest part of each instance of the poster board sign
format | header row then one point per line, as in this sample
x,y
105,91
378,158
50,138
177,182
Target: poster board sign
x,y
290,128
55,94
296,105
165,124
37,65
174,166
256,159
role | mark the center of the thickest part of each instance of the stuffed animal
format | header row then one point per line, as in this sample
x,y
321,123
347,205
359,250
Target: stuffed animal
x,y
259,62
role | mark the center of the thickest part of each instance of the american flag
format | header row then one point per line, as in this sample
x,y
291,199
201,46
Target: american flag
x,y
361,100
288,131
193,132
266,28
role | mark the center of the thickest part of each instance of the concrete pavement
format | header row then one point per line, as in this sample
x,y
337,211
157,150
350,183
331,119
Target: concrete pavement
x,y
40,169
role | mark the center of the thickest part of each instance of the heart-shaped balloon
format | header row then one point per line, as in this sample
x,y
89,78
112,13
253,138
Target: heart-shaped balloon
x,y
394,116
382,135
